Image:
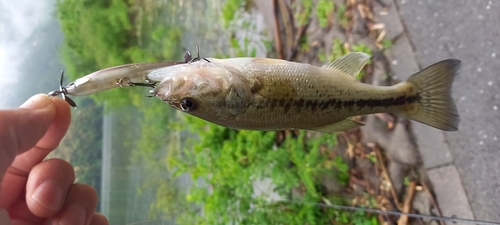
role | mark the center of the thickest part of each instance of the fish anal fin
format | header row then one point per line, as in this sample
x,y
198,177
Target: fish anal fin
x,y
343,125
350,64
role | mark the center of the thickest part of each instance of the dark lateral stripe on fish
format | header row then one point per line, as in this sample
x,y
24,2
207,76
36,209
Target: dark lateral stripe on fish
x,y
336,103
371,103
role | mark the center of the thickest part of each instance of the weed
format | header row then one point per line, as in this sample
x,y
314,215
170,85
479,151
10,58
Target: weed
x,y
324,10
342,17
338,50
305,14
229,161
386,44
229,10
322,55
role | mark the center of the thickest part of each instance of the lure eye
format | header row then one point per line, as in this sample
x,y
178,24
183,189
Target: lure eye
x,y
187,105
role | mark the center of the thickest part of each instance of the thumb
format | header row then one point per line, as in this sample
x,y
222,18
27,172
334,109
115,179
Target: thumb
x,y
21,129
4,217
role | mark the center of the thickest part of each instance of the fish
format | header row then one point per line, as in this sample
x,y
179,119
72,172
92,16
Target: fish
x,y
273,94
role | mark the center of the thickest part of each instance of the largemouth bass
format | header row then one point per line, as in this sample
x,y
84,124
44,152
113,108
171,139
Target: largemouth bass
x,y
272,94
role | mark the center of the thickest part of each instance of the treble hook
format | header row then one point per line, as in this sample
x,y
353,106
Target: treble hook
x,y
189,59
62,91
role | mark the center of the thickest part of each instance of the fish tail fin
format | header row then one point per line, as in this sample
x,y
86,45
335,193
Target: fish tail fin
x,y
435,106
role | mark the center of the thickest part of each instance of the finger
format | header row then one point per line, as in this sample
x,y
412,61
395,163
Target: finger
x,y
15,179
48,185
99,219
24,162
4,217
20,213
79,206
21,129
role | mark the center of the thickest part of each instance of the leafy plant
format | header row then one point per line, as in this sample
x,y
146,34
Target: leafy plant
x,y
324,10
243,50
229,161
338,50
229,10
305,13
386,44
341,15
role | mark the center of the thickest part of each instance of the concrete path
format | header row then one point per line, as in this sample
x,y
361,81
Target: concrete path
x,y
464,166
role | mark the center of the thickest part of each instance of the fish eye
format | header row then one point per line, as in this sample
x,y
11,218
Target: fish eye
x,y
187,105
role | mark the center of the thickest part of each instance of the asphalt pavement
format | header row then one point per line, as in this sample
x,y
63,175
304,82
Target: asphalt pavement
x,y
468,30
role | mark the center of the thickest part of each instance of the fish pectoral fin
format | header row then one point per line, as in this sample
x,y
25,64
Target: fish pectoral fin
x,y
276,90
349,64
343,125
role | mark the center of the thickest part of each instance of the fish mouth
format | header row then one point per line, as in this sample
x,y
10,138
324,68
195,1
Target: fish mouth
x,y
164,93
175,104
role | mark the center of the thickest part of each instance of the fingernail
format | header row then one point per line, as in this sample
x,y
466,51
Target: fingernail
x,y
39,101
75,214
49,194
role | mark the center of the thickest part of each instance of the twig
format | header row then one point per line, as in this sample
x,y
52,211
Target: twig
x,y
295,47
285,17
385,173
277,36
403,220
381,35
397,37
433,201
381,3
350,145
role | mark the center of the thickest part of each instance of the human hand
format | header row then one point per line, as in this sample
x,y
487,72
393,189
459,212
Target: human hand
x,y
34,191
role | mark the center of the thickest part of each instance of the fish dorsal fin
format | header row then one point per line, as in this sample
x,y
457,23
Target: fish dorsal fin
x,y
343,125
349,64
